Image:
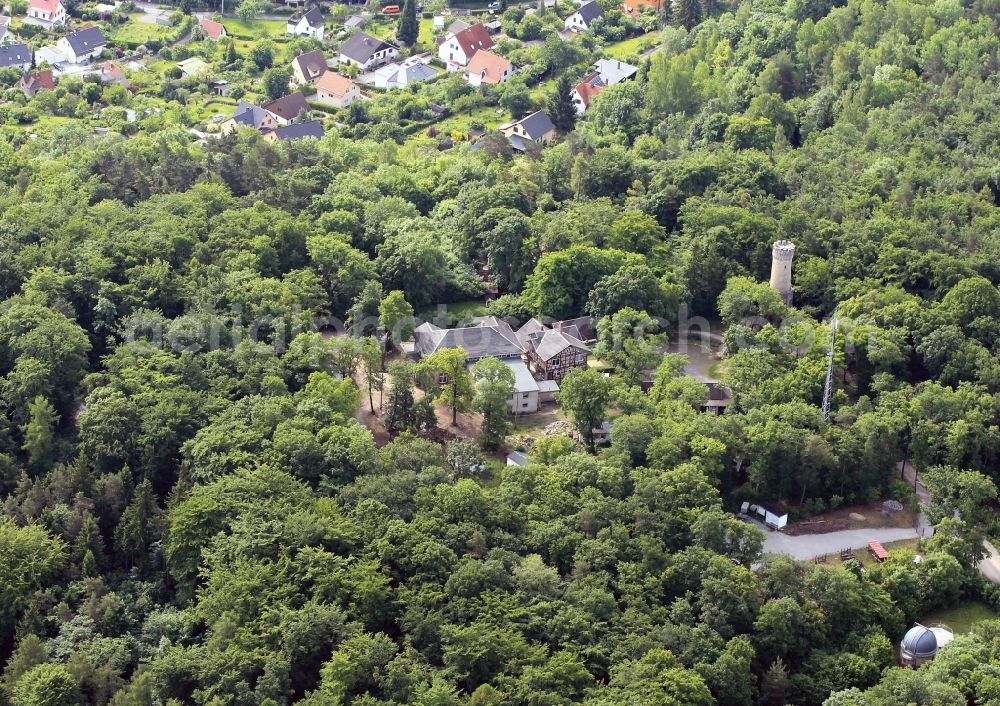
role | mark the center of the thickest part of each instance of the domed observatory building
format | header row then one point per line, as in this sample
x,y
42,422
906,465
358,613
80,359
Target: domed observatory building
x,y
921,644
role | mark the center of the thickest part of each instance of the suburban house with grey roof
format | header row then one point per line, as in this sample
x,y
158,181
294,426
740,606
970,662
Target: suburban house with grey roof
x,y
535,128
307,67
366,52
16,56
248,115
584,17
287,109
613,71
83,44
308,24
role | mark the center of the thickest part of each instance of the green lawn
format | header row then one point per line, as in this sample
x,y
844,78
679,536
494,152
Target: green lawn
x,y
254,28
962,617
140,32
460,310
631,47
426,36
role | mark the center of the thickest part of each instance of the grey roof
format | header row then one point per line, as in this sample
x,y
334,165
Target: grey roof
x,y
354,21
536,124
457,26
524,381
297,131
14,55
590,11
86,40
288,107
549,344
311,63
518,458
516,141
613,71
920,641
529,327
585,325
313,17
478,342
249,114
548,386
361,47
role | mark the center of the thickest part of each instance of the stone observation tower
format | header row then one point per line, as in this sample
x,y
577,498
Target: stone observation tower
x,y
782,253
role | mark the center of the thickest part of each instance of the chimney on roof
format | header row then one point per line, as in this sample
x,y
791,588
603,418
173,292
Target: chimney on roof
x,y
619,64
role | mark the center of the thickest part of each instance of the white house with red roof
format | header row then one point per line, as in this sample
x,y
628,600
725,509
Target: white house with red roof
x,y
47,13
336,90
487,67
457,50
584,93
212,29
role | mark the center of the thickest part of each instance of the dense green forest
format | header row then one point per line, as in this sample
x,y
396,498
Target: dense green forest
x,y
193,515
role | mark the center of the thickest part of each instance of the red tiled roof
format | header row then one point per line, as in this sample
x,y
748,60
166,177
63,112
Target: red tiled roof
x,y
493,65
474,38
39,80
213,29
49,6
589,87
334,84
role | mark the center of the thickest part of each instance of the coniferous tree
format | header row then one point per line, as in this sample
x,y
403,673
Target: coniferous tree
x,y
561,108
688,13
400,414
408,28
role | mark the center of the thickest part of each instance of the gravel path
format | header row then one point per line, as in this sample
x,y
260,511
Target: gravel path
x,y
807,546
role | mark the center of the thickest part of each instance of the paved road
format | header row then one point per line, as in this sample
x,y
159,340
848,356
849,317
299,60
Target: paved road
x,y
807,546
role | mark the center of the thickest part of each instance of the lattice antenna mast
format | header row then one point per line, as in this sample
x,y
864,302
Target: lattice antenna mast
x,y
828,387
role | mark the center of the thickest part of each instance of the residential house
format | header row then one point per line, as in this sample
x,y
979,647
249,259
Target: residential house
x,y
487,67
613,71
37,81
307,24
112,73
5,32
458,49
634,8
212,29
336,90
249,115
367,52
535,128
15,56
412,70
552,353
193,66
47,13
585,91
583,18
297,131
287,109
307,67
83,44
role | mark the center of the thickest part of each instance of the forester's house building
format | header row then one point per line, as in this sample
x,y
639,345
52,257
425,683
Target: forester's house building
x,y
538,356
